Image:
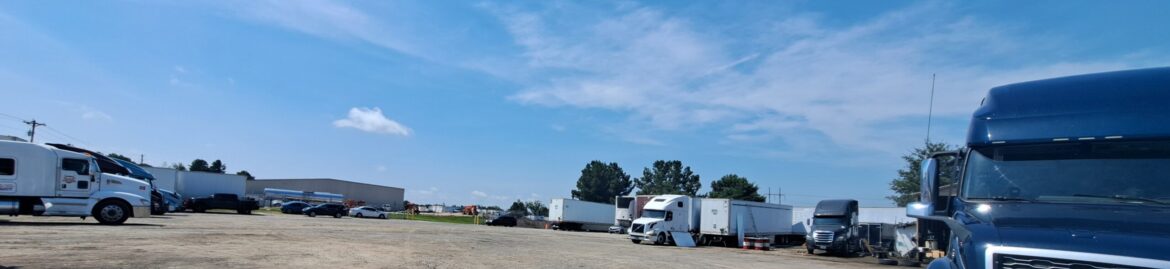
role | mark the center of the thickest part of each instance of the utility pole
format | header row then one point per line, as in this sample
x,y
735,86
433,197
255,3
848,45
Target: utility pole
x,y
33,132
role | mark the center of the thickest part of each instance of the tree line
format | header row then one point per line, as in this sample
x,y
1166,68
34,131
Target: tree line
x,y
601,182
197,165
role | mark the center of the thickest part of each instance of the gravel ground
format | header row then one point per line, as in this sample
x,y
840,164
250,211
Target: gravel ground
x,y
224,240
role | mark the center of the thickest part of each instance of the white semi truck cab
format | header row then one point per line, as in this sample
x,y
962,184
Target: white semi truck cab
x,y
665,214
43,181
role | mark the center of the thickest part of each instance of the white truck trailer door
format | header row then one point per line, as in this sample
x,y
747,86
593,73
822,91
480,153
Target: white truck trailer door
x,y
76,178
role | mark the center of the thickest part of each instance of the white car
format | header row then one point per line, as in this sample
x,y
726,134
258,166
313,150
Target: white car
x,y
366,212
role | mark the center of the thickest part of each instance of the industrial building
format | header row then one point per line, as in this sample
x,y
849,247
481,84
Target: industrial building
x,y
373,195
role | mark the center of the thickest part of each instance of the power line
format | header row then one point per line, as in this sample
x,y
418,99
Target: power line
x,y
67,136
11,116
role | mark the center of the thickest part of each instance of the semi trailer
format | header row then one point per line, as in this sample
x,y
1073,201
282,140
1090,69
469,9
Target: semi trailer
x,y
727,221
44,181
1060,173
574,215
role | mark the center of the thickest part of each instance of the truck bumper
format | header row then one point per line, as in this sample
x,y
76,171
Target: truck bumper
x,y
141,211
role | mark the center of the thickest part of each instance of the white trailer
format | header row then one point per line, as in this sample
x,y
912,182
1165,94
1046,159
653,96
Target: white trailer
x,y
198,184
42,181
722,220
569,214
802,217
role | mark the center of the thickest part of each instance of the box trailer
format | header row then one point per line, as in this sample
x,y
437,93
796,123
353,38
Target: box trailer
x,y
722,219
198,184
569,214
629,208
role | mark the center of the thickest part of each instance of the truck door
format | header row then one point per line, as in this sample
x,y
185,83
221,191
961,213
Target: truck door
x,y
77,178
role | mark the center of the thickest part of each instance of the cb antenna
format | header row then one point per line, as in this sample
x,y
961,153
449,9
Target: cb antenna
x,y
930,111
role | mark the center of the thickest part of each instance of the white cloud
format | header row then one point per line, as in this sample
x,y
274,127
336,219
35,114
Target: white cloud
x,y
380,168
479,194
809,85
371,120
90,113
428,191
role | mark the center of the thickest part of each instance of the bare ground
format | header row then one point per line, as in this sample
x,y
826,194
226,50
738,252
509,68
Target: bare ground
x,y
224,240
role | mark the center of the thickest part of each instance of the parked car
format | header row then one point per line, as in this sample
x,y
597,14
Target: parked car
x,y
335,210
508,221
367,212
174,200
294,207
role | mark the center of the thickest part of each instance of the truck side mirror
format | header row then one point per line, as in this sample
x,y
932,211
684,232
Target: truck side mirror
x,y
928,200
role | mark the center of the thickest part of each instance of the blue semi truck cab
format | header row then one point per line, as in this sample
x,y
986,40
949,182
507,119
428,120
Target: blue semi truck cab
x,y
1070,172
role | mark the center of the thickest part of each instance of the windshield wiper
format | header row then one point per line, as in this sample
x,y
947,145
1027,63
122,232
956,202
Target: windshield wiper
x,y
1123,198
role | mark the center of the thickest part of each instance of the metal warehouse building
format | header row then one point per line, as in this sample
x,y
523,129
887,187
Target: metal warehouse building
x,y
373,195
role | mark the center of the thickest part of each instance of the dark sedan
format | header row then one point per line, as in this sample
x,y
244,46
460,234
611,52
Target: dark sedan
x,y
335,210
294,207
502,221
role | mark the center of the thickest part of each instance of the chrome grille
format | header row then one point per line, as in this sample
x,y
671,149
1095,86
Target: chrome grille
x,y
823,237
1005,261
637,228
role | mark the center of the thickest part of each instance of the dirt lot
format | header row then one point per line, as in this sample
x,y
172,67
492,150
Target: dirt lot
x,y
211,240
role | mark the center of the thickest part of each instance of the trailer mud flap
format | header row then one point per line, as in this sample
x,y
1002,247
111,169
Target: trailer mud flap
x,y
682,239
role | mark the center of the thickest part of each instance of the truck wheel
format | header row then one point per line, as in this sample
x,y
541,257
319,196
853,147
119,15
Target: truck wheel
x,y
244,211
198,209
661,240
636,241
382,216
156,208
337,215
312,214
111,212
810,250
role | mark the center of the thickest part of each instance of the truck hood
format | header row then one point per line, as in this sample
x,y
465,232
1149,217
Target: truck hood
x,y
1123,230
646,221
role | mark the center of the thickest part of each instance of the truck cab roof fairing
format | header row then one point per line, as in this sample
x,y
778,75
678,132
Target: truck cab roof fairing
x,y
1114,105
106,164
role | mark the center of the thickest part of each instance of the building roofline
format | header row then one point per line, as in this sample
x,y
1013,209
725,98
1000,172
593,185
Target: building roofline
x,y
327,179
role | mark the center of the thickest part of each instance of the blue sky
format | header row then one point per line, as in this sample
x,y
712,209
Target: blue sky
x,y
489,102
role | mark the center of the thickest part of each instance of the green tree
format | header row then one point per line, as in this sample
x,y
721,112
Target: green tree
x,y
733,186
668,177
907,185
246,174
199,165
518,208
600,182
179,166
218,167
535,207
119,156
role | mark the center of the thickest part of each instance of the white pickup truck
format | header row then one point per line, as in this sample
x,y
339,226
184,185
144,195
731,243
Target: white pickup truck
x,y
43,181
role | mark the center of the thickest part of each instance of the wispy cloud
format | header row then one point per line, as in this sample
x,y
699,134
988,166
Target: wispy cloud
x,y
479,194
371,120
803,82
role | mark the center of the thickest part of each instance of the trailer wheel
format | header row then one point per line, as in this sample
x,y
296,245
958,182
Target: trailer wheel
x,y
636,241
244,211
111,212
312,214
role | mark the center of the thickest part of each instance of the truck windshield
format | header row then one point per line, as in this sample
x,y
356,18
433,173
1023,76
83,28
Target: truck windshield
x,y
828,221
657,214
1100,172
